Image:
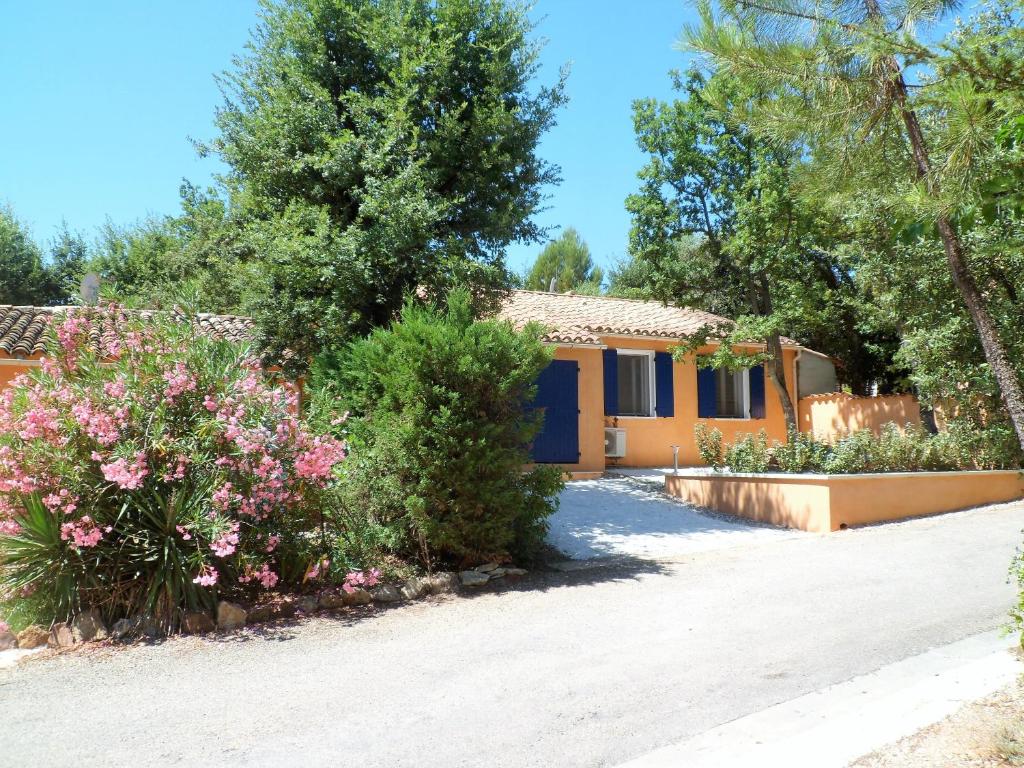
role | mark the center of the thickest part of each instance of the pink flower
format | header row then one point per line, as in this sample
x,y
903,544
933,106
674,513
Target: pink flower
x,y
84,532
207,576
127,476
183,531
179,380
272,541
317,462
225,544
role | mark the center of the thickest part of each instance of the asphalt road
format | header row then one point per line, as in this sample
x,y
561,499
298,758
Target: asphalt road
x,y
589,668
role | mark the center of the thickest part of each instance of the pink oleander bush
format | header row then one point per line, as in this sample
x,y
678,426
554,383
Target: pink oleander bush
x,y
146,469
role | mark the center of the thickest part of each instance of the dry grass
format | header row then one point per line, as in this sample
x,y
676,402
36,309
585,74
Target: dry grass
x,y
988,733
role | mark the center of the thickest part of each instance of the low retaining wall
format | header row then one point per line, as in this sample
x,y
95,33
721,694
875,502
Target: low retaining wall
x,y
822,503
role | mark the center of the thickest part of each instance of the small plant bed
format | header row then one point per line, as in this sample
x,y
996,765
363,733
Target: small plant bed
x,y
861,479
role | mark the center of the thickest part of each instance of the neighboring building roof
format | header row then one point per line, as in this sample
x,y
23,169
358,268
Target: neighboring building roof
x,y
578,319
23,329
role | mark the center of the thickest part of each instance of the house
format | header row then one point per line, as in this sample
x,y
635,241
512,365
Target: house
x,y
614,395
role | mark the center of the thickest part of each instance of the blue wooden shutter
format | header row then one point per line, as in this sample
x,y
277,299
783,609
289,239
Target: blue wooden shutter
x,y
665,404
757,392
707,394
611,382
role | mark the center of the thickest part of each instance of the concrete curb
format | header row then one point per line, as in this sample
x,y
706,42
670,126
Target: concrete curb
x,y
843,722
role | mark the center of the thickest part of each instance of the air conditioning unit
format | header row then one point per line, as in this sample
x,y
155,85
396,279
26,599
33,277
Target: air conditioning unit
x,y
614,443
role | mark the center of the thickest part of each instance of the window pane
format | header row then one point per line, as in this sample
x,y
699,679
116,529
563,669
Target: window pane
x,y
634,385
729,386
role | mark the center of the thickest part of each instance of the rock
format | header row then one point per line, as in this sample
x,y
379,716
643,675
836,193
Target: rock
x,y
517,572
358,596
33,636
473,578
439,583
197,622
497,573
332,601
61,636
121,628
385,593
89,626
230,616
8,640
414,588
280,609
306,604
150,627
486,567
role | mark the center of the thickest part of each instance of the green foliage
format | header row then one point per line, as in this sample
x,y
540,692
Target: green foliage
x,y
379,147
800,453
749,453
709,445
912,141
160,260
26,278
961,446
720,223
567,260
441,434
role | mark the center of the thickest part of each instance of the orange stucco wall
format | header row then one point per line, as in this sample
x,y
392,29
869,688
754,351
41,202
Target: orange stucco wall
x,y
823,503
649,441
10,368
838,414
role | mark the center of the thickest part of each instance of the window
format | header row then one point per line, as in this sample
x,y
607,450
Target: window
x,y
636,383
732,394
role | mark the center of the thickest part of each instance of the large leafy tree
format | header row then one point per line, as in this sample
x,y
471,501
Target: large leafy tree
x,y
566,260
27,277
719,223
161,260
380,147
23,278
882,107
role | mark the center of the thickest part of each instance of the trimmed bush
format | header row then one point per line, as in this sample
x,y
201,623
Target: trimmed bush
x,y
146,468
441,432
910,449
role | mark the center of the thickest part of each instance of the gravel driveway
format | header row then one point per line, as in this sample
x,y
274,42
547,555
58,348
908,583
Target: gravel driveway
x,y
614,516
588,668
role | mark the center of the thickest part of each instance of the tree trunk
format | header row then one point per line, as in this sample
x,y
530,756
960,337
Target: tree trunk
x,y
776,368
995,351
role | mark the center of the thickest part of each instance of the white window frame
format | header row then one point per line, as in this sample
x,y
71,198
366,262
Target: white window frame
x,y
649,354
745,394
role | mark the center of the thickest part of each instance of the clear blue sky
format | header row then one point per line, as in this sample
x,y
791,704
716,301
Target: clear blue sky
x,y
100,100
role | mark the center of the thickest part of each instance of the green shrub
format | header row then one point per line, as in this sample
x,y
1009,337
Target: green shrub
x,y
146,473
800,453
441,433
709,445
909,449
749,453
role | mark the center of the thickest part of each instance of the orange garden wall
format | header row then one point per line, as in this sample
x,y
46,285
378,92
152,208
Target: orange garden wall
x,y
649,441
823,503
838,414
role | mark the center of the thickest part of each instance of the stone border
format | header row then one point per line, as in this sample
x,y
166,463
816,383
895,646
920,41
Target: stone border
x,y
229,616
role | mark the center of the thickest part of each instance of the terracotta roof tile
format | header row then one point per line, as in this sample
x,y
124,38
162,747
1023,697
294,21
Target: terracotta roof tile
x,y
578,319
23,329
